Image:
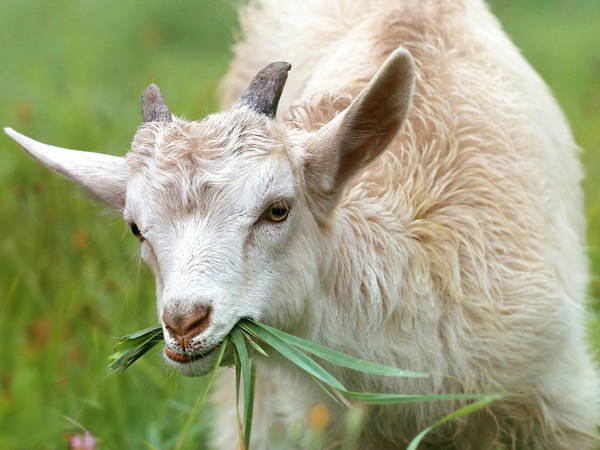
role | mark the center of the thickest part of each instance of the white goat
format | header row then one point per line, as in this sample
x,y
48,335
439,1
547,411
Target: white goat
x,y
454,247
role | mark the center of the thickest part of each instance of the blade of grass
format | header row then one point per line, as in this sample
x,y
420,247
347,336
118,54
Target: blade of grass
x,y
134,339
132,349
142,333
247,377
125,346
249,410
331,393
236,361
202,396
339,358
293,355
335,395
473,407
254,345
128,351
279,344
135,345
383,399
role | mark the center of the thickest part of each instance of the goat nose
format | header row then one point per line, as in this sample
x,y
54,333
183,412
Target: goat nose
x,y
184,327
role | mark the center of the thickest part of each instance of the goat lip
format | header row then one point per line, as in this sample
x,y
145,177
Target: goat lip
x,y
183,357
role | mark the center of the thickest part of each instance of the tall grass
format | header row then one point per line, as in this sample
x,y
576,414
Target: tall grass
x,y
70,279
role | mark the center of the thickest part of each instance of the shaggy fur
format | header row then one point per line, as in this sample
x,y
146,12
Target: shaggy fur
x,y
454,247
460,250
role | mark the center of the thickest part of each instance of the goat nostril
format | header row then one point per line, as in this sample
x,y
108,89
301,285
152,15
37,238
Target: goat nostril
x,y
198,322
194,325
171,322
182,327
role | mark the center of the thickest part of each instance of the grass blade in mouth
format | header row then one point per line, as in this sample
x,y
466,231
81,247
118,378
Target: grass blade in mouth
x,y
238,376
248,374
280,342
254,345
293,355
384,399
133,346
294,349
142,333
333,356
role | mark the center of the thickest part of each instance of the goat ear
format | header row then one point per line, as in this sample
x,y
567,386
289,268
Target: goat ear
x,y
363,131
103,176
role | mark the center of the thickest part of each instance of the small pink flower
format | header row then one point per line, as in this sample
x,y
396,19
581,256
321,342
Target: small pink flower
x,y
83,441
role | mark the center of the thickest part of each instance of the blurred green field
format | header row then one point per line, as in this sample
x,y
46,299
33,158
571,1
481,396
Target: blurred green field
x,y
70,278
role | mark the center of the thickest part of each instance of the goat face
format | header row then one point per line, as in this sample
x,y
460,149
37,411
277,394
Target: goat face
x,y
219,209
234,212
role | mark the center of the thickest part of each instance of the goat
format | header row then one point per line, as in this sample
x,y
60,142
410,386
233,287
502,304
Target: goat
x,y
416,203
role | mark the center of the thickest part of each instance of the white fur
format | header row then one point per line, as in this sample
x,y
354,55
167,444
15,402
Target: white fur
x,y
458,251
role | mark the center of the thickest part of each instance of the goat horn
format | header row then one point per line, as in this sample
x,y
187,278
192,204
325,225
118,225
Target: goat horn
x,y
263,93
154,108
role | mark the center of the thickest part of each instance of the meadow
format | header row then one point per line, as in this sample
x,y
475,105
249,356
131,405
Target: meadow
x,y
71,74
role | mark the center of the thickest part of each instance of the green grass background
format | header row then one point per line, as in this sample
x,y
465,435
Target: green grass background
x,y
71,73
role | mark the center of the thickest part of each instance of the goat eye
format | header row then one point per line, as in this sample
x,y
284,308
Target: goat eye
x,y
136,231
278,212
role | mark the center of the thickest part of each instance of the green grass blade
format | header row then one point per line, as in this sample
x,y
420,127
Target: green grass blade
x,y
473,407
127,343
133,346
202,396
142,333
292,348
249,406
339,358
236,361
384,399
242,351
254,345
292,354
331,393
132,356
248,379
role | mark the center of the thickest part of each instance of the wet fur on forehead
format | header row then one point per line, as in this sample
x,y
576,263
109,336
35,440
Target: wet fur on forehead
x,y
182,160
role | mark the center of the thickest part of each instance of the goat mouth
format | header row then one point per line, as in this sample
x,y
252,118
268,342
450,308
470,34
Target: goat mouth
x,y
183,357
